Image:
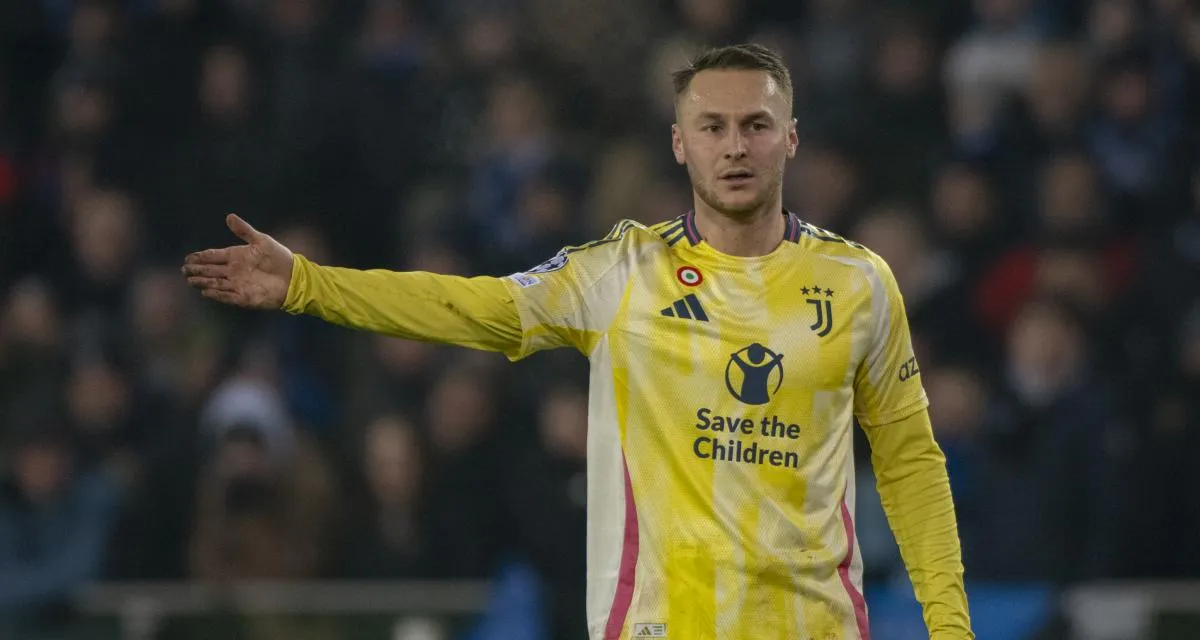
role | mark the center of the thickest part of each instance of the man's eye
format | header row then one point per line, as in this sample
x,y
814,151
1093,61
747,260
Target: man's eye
x,y
758,126
712,128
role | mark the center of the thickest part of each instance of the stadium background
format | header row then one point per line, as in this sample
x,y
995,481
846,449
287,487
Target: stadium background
x,y
1027,167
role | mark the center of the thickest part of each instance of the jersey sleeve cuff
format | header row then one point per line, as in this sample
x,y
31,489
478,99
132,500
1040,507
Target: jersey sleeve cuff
x,y
297,292
879,419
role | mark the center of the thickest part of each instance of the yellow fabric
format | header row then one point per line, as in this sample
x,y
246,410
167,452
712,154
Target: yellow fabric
x,y
469,312
910,472
722,402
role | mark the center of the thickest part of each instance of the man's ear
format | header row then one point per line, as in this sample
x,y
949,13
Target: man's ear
x,y
793,139
677,145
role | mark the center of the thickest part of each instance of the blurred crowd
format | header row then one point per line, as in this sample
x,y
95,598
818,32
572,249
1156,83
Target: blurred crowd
x,y
1029,169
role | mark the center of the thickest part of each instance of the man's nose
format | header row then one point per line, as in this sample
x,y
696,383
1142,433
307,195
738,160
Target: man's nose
x,y
737,146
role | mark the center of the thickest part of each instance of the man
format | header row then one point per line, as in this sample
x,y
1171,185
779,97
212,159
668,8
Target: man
x,y
731,349
56,518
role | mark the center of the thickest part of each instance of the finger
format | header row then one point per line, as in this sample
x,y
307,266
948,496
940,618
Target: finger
x,y
210,256
204,284
206,270
226,297
241,228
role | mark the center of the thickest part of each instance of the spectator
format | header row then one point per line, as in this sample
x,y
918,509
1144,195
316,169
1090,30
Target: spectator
x,y
224,162
966,217
264,502
102,404
398,374
1167,496
628,182
824,187
1051,467
547,487
105,237
836,47
389,143
56,515
461,416
1073,253
543,220
994,59
905,112
1047,118
171,342
984,70
522,144
1167,286
1113,26
931,281
392,538
1133,141
33,356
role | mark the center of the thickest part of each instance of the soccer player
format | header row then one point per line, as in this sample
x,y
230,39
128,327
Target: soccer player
x,y
731,349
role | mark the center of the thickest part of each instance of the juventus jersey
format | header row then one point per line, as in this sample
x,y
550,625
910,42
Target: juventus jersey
x,y
722,400
723,393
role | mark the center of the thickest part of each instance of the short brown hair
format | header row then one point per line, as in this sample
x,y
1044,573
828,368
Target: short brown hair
x,y
747,57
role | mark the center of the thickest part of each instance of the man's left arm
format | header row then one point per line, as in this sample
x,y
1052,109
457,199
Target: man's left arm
x,y
910,468
910,472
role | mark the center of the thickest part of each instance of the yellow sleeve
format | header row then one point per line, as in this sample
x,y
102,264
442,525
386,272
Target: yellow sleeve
x,y
887,385
910,471
478,312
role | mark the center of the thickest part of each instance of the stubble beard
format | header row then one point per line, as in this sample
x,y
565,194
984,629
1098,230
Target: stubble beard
x,y
741,210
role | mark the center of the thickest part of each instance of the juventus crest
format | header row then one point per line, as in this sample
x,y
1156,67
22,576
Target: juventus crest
x,y
822,301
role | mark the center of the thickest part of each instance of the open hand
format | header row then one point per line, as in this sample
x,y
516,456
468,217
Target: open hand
x,y
254,275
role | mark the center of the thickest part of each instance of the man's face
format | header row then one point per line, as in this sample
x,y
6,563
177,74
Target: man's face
x,y
734,132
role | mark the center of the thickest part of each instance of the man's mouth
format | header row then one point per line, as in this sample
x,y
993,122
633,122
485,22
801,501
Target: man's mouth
x,y
737,176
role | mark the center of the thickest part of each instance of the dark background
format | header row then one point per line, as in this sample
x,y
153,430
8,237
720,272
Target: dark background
x,y
1028,168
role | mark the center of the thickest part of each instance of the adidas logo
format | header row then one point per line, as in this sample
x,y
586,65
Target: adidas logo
x,y
650,630
688,308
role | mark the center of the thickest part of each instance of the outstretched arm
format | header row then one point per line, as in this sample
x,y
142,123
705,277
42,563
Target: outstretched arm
x,y
568,300
263,274
469,312
910,471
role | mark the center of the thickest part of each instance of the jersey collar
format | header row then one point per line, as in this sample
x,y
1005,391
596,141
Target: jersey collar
x,y
791,229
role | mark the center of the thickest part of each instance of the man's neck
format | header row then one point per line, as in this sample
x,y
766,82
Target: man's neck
x,y
754,234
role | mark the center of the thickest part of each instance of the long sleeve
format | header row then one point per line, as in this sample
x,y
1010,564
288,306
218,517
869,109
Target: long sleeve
x,y
477,312
913,485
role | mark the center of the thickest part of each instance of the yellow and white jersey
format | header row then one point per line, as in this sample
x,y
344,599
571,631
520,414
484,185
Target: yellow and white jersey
x,y
722,398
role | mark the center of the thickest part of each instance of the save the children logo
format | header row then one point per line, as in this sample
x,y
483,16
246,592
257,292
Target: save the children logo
x,y
754,374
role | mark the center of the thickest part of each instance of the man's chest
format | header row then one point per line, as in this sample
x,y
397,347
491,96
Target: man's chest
x,y
753,332
740,378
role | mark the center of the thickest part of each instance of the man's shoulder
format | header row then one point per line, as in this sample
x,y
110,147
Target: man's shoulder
x,y
825,242
626,240
855,256
625,237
